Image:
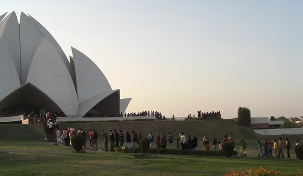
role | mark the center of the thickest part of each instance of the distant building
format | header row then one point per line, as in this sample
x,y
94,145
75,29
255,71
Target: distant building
x,y
296,119
211,115
264,122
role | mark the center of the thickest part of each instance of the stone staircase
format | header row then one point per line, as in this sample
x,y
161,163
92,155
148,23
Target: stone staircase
x,y
37,120
50,137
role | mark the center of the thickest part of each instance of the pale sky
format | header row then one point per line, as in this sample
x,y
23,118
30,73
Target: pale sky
x,y
178,57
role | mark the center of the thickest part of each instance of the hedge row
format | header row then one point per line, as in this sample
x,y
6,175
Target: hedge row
x,y
176,151
299,151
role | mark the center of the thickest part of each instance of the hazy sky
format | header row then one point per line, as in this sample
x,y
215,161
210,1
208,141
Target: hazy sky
x,y
178,57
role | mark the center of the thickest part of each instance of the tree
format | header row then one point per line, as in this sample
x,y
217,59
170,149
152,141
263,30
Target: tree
x,y
287,122
244,116
272,118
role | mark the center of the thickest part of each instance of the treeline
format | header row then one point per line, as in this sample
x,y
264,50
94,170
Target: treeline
x,y
287,122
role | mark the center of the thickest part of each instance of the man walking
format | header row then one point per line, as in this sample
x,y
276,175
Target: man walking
x,y
58,134
170,140
183,141
112,140
287,146
116,138
50,126
105,143
280,148
64,135
135,139
128,140
95,140
91,135
121,139
214,143
163,141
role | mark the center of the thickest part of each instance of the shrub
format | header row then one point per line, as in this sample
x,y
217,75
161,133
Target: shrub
x,y
127,150
133,150
228,148
235,153
144,145
117,149
78,141
299,151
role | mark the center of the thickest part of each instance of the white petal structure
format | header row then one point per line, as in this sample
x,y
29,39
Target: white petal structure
x,y
52,40
86,71
2,16
35,73
9,79
96,101
123,104
30,38
49,74
9,32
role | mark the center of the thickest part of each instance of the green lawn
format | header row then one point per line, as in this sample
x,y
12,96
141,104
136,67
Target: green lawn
x,y
193,127
43,158
23,152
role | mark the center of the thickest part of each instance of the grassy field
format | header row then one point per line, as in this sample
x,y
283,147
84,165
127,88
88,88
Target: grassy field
x,y
23,152
44,158
21,132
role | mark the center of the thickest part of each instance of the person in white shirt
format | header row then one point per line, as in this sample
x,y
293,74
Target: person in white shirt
x,y
183,141
50,126
58,134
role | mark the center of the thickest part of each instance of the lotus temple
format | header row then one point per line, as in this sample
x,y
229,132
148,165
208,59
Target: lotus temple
x,y
35,73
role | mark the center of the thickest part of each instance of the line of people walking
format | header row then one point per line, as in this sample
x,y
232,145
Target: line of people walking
x,y
114,139
267,148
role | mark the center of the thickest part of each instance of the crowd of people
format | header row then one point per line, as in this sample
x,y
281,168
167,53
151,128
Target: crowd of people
x,y
155,114
52,122
118,138
46,114
131,114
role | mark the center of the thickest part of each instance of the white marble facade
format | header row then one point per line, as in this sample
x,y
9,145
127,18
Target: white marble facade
x,y
30,54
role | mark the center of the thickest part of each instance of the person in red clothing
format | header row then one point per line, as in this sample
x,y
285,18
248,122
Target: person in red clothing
x,y
231,139
64,135
225,138
91,135
29,118
48,117
158,140
207,145
265,147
